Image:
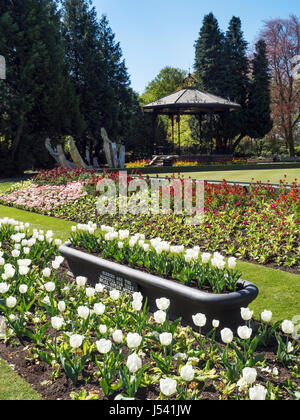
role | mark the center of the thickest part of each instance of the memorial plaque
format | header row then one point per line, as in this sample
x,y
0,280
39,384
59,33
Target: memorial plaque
x,y
112,281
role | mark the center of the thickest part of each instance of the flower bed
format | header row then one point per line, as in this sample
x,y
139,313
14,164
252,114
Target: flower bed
x,y
46,197
260,225
138,164
75,340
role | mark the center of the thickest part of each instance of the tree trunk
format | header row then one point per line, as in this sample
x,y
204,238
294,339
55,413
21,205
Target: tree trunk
x,y
17,139
219,145
236,143
291,144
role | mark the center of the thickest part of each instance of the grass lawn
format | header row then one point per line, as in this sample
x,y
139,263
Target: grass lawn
x,y
61,228
268,175
13,387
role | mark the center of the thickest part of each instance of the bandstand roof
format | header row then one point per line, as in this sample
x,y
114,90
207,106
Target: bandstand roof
x,y
190,101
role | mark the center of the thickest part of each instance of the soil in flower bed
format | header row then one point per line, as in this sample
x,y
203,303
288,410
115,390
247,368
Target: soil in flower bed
x,y
40,375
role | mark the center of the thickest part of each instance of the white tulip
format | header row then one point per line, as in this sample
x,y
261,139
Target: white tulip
x,y
99,308
102,329
117,336
26,250
258,393
134,363
83,312
4,287
242,384
123,234
246,314
249,375
199,320
55,265
288,327
165,339
187,373
266,316
90,292
168,386
81,281
160,316
244,332
46,300
114,294
137,296
23,271
216,323
146,247
227,335
46,272
218,262
205,257
15,253
9,271
232,263
76,341
162,304
99,288
57,322
133,340
177,249
59,259
61,306
23,289
103,346
11,302
137,305
49,287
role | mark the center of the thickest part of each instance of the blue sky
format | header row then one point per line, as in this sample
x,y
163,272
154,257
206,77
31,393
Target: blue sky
x,y
157,33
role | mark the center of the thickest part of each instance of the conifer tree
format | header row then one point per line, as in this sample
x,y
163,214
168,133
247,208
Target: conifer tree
x,y
99,75
209,57
222,68
210,72
237,84
36,98
259,107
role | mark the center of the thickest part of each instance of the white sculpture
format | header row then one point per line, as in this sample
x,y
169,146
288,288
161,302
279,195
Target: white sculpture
x,y
77,159
2,68
58,155
114,159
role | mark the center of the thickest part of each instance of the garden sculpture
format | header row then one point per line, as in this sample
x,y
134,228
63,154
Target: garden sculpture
x,y
2,68
114,159
58,155
77,159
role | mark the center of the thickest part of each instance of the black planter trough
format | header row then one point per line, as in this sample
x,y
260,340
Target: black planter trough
x,y
185,301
